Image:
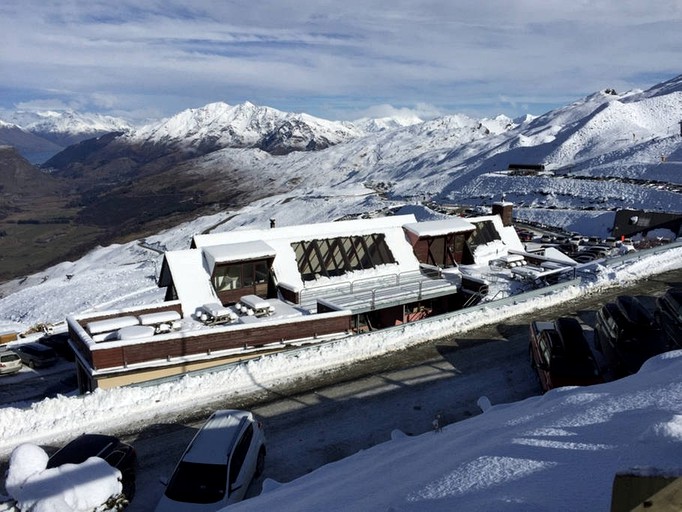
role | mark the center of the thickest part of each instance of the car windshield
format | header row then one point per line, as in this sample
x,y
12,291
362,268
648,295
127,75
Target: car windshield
x,y
198,483
6,358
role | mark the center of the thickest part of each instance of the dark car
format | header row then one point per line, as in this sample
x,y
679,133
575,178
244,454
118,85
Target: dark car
x,y
627,334
59,342
669,316
561,355
119,455
35,355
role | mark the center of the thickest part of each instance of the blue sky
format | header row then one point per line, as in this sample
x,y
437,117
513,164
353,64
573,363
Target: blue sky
x,y
147,59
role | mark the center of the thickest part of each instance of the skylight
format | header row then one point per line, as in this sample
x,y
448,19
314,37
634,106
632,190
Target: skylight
x,y
336,256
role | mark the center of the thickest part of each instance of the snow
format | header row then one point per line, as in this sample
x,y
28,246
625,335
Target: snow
x,y
555,452
67,488
192,279
67,122
237,252
440,227
502,460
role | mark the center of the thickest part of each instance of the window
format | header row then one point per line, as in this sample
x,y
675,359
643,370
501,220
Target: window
x,y
336,256
194,482
485,233
240,275
240,452
227,277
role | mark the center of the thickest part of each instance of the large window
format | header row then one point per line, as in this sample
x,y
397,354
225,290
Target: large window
x,y
234,276
336,256
485,233
445,251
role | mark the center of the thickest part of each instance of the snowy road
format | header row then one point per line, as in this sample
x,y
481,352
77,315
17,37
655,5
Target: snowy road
x,y
360,407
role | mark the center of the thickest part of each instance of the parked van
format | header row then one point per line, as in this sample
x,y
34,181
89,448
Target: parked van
x,y
627,334
561,355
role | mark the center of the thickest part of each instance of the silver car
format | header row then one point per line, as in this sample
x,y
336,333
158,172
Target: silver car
x,y
10,362
218,465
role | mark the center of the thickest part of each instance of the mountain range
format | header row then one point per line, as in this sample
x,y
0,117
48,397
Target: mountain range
x,y
605,151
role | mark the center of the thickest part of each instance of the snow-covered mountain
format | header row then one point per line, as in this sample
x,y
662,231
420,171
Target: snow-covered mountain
x,y
67,127
219,125
381,124
603,152
33,147
38,135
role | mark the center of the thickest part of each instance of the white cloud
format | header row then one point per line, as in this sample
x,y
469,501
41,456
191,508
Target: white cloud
x,y
452,55
421,110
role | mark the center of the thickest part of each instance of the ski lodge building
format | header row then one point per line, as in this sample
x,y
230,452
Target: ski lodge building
x,y
240,294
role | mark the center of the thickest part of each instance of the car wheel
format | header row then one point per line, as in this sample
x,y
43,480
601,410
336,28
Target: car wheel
x,y
31,364
260,463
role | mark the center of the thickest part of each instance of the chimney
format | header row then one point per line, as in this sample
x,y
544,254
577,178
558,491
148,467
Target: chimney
x,y
272,223
504,210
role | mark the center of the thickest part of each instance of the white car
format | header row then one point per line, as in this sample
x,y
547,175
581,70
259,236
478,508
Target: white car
x,y
218,465
10,362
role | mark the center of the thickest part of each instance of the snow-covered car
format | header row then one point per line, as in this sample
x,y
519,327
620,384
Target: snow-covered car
x,y
36,355
116,453
10,362
219,464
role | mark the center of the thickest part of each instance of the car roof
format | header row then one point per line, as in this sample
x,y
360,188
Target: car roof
x,y
34,347
214,442
82,448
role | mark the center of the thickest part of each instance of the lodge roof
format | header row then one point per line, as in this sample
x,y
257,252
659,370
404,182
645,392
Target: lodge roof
x,y
440,227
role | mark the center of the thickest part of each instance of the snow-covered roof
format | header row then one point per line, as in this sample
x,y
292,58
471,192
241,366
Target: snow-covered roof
x,y
191,278
213,442
226,253
494,249
280,240
440,227
303,232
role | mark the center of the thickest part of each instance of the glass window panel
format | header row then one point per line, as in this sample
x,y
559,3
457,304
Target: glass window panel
x,y
336,256
247,273
227,277
261,272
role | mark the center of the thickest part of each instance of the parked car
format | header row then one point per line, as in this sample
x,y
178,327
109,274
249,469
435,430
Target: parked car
x,y
10,362
218,465
116,453
59,342
627,334
669,316
35,355
561,355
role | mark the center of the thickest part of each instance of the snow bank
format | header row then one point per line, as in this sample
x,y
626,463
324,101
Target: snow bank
x,y
558,452
68,488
